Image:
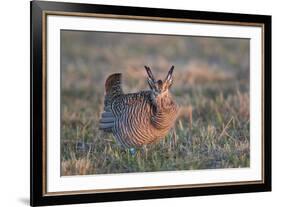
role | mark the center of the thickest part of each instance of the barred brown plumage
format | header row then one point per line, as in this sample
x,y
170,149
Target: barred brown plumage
x,y
137,119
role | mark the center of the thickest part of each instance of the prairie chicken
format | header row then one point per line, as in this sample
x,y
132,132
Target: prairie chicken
x,y
137,119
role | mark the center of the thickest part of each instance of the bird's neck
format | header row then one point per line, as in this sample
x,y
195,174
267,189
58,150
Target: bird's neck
x,y
165,112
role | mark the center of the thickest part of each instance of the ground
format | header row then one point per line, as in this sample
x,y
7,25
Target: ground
x,y
211,85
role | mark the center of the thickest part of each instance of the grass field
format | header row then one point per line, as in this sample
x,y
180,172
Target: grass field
x,y
211,84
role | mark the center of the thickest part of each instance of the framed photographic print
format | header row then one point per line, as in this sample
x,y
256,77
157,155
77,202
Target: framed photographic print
x,y
139,103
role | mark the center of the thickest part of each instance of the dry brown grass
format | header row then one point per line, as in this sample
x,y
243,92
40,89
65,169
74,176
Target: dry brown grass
x,y
201,73
80,166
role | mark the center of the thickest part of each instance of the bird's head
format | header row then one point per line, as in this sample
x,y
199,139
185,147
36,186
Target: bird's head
x,y
159,87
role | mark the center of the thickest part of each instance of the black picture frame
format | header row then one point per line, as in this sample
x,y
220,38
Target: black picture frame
x,y
38,105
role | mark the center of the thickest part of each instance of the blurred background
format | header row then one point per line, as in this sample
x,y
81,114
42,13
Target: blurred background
x,y
211,84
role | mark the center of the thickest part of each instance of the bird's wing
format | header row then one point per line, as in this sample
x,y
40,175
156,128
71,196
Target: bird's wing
x,y
121,104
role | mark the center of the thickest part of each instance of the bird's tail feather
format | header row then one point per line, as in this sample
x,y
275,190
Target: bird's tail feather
x,y
106,121
113,89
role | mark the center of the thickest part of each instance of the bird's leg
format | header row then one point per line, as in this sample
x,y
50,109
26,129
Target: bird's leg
x,y
145,151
